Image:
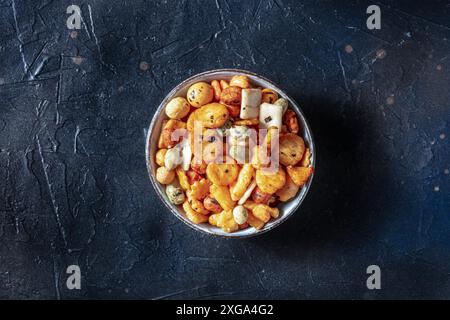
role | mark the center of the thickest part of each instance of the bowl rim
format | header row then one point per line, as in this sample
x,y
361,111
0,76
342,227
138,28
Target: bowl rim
x,y
171,208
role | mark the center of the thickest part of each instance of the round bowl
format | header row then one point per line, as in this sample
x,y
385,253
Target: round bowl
x,y
286,208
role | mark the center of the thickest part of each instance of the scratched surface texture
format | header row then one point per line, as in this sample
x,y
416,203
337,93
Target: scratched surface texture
x,y
75,105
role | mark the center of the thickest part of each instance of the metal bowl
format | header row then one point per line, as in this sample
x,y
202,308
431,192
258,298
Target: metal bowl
x,y
286,208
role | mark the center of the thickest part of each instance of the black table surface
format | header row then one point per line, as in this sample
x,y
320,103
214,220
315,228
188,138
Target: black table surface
x,y
74,112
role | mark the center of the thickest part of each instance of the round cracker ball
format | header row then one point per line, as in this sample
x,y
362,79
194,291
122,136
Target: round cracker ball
x,y
177,108
160,155
175,194
164,175
172,159
240,215
240,81
199,94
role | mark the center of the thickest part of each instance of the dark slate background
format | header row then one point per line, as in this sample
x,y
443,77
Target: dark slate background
x,y
75,106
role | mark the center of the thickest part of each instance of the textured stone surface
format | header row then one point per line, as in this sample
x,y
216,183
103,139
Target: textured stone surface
x,y
74,108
